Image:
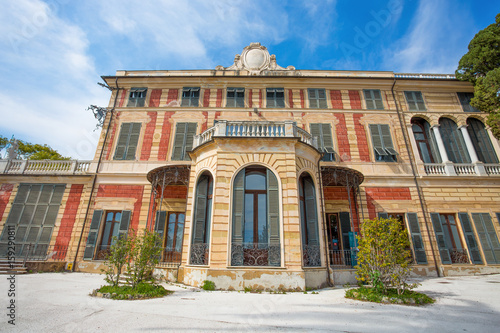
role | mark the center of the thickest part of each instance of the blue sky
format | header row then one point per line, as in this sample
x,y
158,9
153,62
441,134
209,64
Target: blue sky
x,y
52,53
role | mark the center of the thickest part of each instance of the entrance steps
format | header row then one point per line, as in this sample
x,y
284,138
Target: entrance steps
x,y
11,267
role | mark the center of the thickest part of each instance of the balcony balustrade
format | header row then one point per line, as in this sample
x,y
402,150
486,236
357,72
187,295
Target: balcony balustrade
x,y
461,169
44,167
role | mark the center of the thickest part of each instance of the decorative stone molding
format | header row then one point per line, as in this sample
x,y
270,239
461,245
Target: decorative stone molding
x,y
256,59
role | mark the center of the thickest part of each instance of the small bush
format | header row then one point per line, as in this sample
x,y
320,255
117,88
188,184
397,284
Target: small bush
x,y
141,290
408,297
208,285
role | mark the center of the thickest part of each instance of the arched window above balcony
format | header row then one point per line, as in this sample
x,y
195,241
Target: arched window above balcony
x,y
481,141
425,140
453,141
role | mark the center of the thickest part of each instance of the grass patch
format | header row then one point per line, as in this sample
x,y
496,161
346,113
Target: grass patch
x,y
371,295
208,285
141,291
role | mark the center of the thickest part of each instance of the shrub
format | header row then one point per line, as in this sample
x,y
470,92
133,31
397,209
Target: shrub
x,y
384,256
118,257
145,254
208,285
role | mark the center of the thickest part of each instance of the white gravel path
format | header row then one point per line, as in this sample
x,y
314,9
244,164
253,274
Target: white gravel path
x,y
59,302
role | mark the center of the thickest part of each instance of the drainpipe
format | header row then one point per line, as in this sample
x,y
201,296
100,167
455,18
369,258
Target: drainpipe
x,y
322,205
96,171
419,192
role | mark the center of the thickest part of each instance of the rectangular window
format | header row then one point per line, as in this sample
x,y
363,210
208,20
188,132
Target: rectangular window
x,y
415,101
382,143
183,142
325,140
448,238
127,141
137,97
275,97
487,237
105,228
317,98
465,101
32,216
190,96
235,98
373,99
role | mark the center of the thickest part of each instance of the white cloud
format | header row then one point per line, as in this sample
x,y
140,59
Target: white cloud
x,y
433,42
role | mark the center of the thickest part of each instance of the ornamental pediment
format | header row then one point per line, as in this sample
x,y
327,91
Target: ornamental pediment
x,y
256,59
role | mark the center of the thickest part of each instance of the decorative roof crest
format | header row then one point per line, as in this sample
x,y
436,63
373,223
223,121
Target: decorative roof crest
x,y
255,59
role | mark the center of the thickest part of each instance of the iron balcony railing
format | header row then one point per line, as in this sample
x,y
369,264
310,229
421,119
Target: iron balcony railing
x,y
343,259
199,254
255,254
255,129
39,252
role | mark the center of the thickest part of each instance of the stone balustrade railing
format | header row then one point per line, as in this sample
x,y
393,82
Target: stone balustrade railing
x,y
423,76
462,169
44,167
255,129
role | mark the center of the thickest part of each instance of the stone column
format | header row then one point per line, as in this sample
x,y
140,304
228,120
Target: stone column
x,y
478,165
448,165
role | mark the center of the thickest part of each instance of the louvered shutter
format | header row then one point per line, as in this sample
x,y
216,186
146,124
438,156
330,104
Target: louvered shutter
x,y
321,99
377,96
370,104
416,238
133,139
311,213
487,237
124,223
273,218
316,132
313,98
345,225
161,217
180,134
377,141
481,141
470,238
92,237
383,215
200,211
280,98
190,133
410,98
385,134
327,140
238,209
419,100
440,238
121,146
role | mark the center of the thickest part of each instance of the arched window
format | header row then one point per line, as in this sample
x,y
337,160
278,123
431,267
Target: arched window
x,y
200,241
453,141
481,141
309,222
425,140
255,233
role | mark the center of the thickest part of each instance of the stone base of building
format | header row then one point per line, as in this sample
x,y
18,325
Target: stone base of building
x,y
45,266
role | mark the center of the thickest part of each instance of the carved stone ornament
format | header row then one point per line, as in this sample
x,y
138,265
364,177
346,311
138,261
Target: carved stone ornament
x,y
255,59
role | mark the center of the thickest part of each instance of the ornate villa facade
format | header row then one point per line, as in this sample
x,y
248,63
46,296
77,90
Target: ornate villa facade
x,y
259,176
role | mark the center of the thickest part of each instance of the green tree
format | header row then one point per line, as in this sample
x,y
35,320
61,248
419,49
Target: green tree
x,y
481,66
384,257
145,255
118,257
30,151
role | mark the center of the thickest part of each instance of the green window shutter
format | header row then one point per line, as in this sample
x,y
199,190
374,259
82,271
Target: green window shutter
x,y
416,238
487,237
124,223
373,99
161,216
383,215
470,238
481,141
179,141
316,132
311,212
440,238
420,101
93,233
345,225
370,103
133,139
238,210
377,140
122,141
200,211
415,101
273,218
321,98
313,98
190,133
325,140
465,101
382,143
498,218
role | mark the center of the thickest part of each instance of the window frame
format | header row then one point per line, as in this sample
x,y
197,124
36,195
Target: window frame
x,y
325,142
275,98
453,141
371,101
189,131
428,140
235,101
416,102
316,101
137,97
202,220
190,96
383,152
126,141
481,141
464,99
309,221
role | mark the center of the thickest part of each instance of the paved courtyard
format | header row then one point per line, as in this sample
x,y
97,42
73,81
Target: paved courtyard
x,y
59,302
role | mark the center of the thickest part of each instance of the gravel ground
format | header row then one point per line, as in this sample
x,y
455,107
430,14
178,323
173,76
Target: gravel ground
x,y
59,302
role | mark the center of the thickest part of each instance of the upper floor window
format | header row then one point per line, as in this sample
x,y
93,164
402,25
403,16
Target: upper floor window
x,y
127,141
183,142
382,143
275,97
317,98
415,101
235,98
190,96
137,97
325,142
453,141
465,98
426,143
481,141
373,99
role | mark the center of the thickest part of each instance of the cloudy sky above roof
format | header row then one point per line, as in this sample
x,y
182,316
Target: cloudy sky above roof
x,y
52,53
